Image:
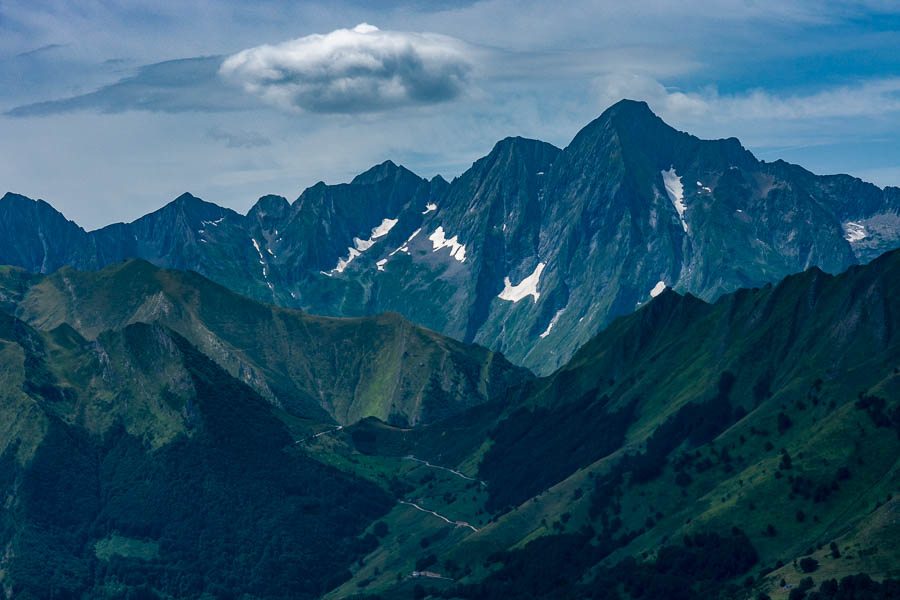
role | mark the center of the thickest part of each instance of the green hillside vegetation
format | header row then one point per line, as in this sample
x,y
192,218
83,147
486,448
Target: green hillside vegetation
x,y
743,449
100,507
767,423
325,369
133,463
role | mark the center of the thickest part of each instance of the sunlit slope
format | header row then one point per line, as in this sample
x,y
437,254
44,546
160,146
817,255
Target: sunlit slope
x,y
328,369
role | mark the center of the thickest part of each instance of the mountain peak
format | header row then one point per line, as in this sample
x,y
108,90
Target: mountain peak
x,y
643,137
188,201
13,197
186,198
190,207
532,155
30,206
624,115
270,204
634,117
377,173
631,121
631,108
520,144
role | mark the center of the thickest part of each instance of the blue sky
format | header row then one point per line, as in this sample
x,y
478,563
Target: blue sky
x,y
109,110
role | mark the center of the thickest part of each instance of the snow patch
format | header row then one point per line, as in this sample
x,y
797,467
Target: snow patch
x,y
343,262
262,261
553,322
213,223
383,229
266,277
658,289
405,246
429,208
258,251
526,287
675,190
854,232
360,246
380,264
363,245
439,240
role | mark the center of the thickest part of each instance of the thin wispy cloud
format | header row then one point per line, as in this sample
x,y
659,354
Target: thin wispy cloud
x,y
864,98
238,139
186,85
42,50
354,70
810,82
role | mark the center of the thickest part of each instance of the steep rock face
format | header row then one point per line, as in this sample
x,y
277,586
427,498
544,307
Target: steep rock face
x,y
35,236
633,205
531,251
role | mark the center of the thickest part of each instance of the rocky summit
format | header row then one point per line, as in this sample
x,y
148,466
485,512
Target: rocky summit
x,y
530,252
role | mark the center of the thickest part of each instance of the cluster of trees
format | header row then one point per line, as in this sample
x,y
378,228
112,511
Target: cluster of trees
x,y
553,567
808,489
535,449
878,411
852,587
230,510
693,424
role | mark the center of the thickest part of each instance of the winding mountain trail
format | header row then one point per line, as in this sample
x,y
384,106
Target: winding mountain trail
x,y
439,516
314,436
457,473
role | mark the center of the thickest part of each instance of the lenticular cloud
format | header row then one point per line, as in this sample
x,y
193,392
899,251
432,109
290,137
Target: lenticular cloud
x,y
354,70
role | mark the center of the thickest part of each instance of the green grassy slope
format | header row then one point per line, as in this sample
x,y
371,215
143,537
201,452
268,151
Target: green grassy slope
x,y
320,368
774,410
690,450
134,466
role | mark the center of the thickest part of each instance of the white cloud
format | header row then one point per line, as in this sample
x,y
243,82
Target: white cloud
x,y
864,99
354,70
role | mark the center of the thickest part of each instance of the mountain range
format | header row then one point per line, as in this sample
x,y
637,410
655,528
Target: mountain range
x,y
327,369
530,252
642,367
153,447
691,450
